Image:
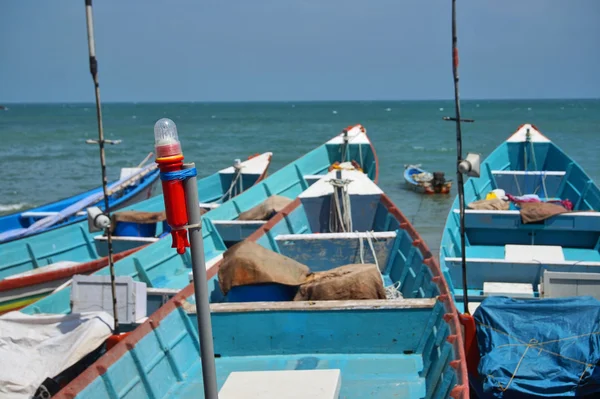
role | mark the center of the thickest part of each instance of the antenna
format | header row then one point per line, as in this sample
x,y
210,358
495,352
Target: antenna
x,y
101,142
469,166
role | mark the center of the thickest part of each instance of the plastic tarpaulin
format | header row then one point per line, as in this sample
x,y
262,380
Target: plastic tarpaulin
x,y
33,348
539,348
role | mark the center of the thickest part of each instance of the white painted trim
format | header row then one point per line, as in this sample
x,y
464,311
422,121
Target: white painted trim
x,y
252,166
532,262
128,238
355,136
359,184
369,304
534,135
209,205
532,172
34,214
239,222
161,291
329,236
515,212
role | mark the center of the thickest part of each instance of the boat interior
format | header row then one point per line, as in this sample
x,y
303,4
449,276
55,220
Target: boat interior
x,y
558,256
400,346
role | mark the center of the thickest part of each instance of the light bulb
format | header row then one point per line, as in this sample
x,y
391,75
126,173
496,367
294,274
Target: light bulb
x,y
166,140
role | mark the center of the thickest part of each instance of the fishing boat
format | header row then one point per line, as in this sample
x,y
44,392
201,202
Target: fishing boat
x,y
159,267
164,273
422,181
532,235
344,296
134,185
33,267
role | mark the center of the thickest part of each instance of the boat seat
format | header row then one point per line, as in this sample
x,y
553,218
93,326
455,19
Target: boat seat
x,y
572,221
237,230
518,182
483,270
329,250
275,384
209,205
121,243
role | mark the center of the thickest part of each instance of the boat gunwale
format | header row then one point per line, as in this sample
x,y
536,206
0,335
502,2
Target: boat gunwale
x,y
368,304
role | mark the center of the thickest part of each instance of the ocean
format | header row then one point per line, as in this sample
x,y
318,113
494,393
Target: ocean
x,y
44,156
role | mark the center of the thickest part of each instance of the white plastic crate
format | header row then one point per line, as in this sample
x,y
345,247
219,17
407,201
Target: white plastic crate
x,y
93,293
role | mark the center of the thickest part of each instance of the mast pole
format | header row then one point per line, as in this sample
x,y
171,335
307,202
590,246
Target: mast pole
x,y
459,175
101,142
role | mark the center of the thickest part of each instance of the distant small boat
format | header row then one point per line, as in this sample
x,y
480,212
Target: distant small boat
x,y
425,182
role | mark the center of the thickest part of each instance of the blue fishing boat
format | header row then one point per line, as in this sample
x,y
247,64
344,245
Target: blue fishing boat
x,y
532,238
32,267
342,294
163,272
135,184
422,181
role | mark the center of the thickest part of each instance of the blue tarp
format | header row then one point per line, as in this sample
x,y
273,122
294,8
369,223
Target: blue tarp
x,y
539,348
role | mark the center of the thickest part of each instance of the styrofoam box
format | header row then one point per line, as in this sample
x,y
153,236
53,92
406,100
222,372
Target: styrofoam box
x,y
93,293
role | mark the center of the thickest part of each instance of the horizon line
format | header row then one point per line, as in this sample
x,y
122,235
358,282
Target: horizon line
x,y
288,101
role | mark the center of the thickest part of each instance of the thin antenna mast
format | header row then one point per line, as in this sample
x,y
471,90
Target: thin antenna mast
x,y
101,142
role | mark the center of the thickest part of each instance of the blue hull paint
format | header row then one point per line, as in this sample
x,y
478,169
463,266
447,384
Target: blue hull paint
x,y
125,197
75,243
383,348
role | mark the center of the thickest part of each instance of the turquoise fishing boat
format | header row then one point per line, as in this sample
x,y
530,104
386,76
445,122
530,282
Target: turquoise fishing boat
x,y
135,184
511,249
33,267
369,313
532,238
165,273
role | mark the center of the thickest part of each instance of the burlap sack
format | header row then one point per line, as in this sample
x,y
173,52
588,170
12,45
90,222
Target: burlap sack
x,y
248,263
267,209
349,282
495,204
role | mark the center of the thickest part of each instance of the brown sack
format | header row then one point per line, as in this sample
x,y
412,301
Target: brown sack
x,y
532,212
495,204
349,282
248,263
266,209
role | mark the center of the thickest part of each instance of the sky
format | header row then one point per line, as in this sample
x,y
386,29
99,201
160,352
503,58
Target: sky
x,y
301,50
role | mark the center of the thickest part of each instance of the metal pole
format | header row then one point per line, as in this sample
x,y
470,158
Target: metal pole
x,y
101,142
459,175
207,351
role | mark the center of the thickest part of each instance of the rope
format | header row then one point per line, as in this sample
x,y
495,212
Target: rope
x,y
178,174
340,220
229,193
536,345
536,168
391,291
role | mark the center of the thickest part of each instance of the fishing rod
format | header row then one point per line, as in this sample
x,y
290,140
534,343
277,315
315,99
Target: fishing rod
x,y
101,142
